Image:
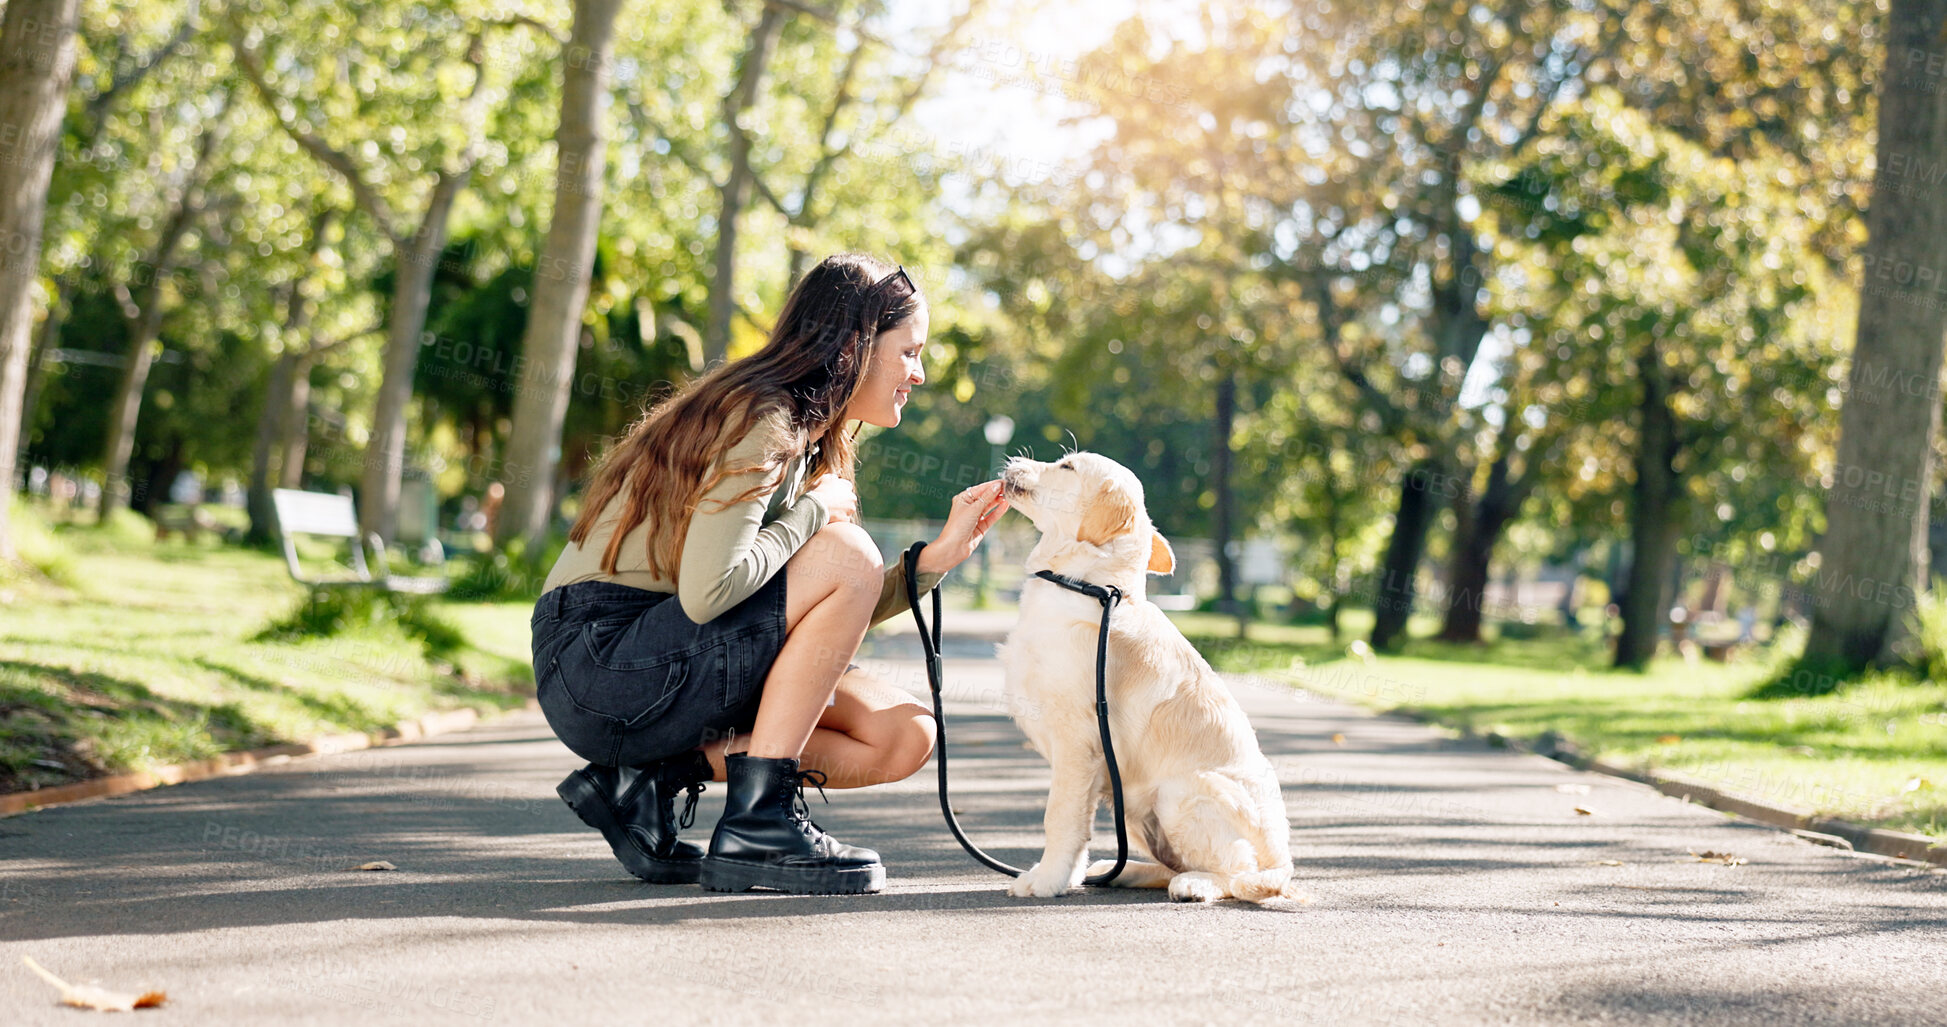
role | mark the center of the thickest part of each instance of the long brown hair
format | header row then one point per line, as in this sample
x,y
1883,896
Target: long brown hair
x,y
811,367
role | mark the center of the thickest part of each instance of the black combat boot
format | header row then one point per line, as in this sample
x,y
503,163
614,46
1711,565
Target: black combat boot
x,y
634,808
766,838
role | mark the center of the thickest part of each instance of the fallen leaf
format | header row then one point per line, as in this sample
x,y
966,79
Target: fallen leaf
x,y
1338,739
1724,858
377,864
1668,739
89,997
1585,811
1573,789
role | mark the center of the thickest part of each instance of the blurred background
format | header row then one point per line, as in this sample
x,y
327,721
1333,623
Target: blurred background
x,y
1524,340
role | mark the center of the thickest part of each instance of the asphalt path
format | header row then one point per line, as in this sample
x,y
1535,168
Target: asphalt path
x,y
1450,883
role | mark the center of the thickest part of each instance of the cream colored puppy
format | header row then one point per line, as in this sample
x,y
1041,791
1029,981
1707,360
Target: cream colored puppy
x,y
1203,804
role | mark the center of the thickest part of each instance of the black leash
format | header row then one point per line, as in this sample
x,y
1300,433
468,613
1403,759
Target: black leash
x,y
1108,596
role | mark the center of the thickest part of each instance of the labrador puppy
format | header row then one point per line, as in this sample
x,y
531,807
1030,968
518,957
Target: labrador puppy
x,y
1203,805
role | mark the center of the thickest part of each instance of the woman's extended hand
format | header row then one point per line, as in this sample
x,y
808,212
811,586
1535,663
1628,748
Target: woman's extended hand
x,y
974,511
841,499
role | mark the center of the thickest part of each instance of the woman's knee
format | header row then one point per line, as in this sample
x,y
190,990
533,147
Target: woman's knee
x,y
911,740
844,555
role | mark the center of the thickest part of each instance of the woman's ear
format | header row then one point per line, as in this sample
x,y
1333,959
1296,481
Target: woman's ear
x,y
1162,560
1112,512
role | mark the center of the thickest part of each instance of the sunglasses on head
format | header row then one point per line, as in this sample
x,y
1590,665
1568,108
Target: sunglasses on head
x,y
897,278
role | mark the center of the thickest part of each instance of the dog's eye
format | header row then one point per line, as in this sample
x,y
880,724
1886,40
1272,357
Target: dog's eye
x,y
1066,466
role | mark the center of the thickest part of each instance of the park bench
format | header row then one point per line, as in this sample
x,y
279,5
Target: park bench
x,y
332,516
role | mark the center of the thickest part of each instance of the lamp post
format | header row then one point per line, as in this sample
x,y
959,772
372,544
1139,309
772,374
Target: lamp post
x,y
999,429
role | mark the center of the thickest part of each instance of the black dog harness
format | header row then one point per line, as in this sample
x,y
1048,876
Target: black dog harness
x,y
1108,596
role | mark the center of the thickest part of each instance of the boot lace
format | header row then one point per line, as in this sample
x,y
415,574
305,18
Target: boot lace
x,y
800,807
689,805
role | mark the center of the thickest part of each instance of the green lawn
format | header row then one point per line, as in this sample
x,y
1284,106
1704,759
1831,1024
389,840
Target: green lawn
x,y
134,654
1875,751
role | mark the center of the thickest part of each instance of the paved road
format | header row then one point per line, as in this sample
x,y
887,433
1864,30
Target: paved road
x,y
1453,884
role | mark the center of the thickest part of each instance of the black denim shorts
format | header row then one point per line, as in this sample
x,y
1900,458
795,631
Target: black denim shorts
x,y
625,678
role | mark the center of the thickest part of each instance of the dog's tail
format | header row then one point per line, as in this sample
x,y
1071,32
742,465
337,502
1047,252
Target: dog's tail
x,y
1264,885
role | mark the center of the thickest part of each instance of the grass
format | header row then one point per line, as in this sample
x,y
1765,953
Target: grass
x,y
1873,750
142,653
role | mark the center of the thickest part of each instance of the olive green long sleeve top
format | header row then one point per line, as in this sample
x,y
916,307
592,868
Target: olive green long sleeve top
x,y
732,548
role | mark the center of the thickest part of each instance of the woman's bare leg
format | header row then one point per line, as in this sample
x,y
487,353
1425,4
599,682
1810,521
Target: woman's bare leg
x,y
833,582
875,733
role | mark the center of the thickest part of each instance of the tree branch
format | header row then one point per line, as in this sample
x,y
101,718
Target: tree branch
x,y
676,148
121,81
369,200
320,349
514,20
1318,285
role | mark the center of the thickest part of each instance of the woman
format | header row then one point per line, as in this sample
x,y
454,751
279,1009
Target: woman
x,y
701,622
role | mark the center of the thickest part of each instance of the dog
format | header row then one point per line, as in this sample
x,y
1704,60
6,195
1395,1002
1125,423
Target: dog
x,y
1203,805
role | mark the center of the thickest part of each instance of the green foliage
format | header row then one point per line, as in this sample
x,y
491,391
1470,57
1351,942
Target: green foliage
x,y
1282,212
337,609
1930,636
40,548
505,575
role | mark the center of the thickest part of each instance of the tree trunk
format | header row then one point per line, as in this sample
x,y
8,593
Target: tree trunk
x,y
294,432
736,187
412,290
144,326
1392,601
1333,501
116,488
277,399
1874,551
1654,519
45,340
1475,537
36,63
272,419
1220,429
561,285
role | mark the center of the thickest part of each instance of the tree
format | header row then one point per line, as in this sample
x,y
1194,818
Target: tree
x,y
277,451
1335,149
449,145
1682,301
1874,555
142,307
122,69
36,64
561,281
734,192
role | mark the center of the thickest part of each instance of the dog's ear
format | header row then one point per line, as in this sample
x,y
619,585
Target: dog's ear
x,y
1162,560
1112,512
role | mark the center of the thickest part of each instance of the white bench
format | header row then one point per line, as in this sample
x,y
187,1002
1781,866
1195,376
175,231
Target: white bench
x,y
332,516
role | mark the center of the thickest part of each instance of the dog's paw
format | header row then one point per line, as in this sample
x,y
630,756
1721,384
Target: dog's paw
x,y
1195,887
1040,884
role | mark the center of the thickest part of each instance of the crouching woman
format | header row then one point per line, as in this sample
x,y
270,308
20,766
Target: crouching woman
x,y
701,623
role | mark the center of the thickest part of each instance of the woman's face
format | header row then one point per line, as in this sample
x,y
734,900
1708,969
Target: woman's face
x,y
890,373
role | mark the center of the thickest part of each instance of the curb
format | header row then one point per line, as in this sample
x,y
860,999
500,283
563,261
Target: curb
x,y
1841,834
231,764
